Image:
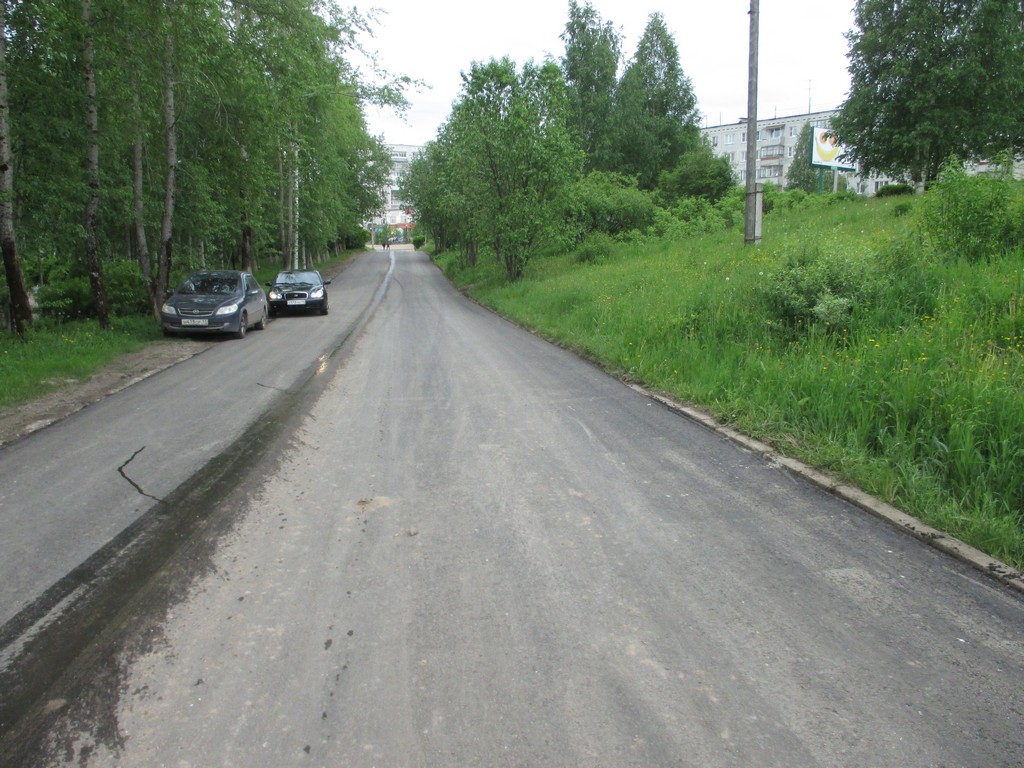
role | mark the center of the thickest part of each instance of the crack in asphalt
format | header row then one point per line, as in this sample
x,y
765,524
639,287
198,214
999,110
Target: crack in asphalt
x,y
135,485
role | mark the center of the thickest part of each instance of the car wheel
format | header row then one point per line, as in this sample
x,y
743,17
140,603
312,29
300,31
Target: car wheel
x,y
262,323
243,323
324,309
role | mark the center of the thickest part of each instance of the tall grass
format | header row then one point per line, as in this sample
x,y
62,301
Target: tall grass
x,y
843,339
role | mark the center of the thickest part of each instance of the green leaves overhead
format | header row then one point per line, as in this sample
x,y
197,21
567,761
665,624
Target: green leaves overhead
x,y
263,92
932,79
511,157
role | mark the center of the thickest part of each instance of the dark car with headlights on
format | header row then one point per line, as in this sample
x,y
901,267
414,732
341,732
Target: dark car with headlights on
x,y
298,290
215,302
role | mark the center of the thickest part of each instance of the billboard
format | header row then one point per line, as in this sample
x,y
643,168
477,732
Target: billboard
x,y
827,152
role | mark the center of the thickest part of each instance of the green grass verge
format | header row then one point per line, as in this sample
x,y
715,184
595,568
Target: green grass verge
x,y
53,355
839,339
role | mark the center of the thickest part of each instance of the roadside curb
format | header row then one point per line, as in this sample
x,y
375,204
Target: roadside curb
x,y
890,514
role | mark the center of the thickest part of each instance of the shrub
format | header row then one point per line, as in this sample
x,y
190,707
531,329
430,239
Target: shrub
x,y
610,203
418,241
973,217
67,293
895,190
816,287
596,247
694,216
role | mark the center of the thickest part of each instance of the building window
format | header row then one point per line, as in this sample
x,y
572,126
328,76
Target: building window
x,y
730,138
714,141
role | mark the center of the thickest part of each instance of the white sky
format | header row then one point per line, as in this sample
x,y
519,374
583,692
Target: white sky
x,y
802,51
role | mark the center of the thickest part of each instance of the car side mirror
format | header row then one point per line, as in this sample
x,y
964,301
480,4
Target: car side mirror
x,y
327,282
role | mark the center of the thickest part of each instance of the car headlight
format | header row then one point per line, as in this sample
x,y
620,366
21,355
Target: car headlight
x,y
167,309
274,294
317,293
228,309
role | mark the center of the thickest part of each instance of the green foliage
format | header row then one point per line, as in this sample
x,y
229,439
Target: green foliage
x,y
590,66
699,173
608,203
820,285
418,241
694,216
56,350
932,79
801,174
655,110
67,295
595,248
263,91
974,217
895,190
503,164
902,208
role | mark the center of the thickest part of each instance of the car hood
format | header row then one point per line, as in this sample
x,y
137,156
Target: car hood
x,y
184,301
294,286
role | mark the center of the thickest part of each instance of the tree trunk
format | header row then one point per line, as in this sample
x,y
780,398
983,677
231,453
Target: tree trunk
x,y
285,213
92,258
170,128
21,309
141,243
246,244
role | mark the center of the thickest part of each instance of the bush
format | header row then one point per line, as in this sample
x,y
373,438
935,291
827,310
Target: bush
x,y
973,217
610,203
418,241
596,247
902,208
820,288
67,293
694,216
895,190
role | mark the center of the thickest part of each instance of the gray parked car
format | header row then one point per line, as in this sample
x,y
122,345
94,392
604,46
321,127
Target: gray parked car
x,y
216,302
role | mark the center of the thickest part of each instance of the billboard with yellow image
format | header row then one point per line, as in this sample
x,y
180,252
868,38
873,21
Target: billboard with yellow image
x,y
826,152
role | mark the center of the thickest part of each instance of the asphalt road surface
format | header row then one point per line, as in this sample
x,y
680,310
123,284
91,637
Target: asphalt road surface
x,y
466,547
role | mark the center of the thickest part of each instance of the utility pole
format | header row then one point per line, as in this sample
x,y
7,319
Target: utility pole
x,y
753,208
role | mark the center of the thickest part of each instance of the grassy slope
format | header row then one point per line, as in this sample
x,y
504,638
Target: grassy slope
x,y
906,381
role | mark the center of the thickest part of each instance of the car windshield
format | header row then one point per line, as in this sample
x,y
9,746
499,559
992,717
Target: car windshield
x,y
297,277
207,284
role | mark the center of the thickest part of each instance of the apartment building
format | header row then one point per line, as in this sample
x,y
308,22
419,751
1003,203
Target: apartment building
x,y
395,215
776,148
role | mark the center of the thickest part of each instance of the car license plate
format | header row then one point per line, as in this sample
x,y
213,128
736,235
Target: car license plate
x,y
294,302
194,321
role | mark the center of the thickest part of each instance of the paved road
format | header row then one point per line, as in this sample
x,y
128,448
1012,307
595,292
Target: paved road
x,y
68,490
477,550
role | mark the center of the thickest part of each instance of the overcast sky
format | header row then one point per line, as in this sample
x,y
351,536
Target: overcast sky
x,y
802,59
